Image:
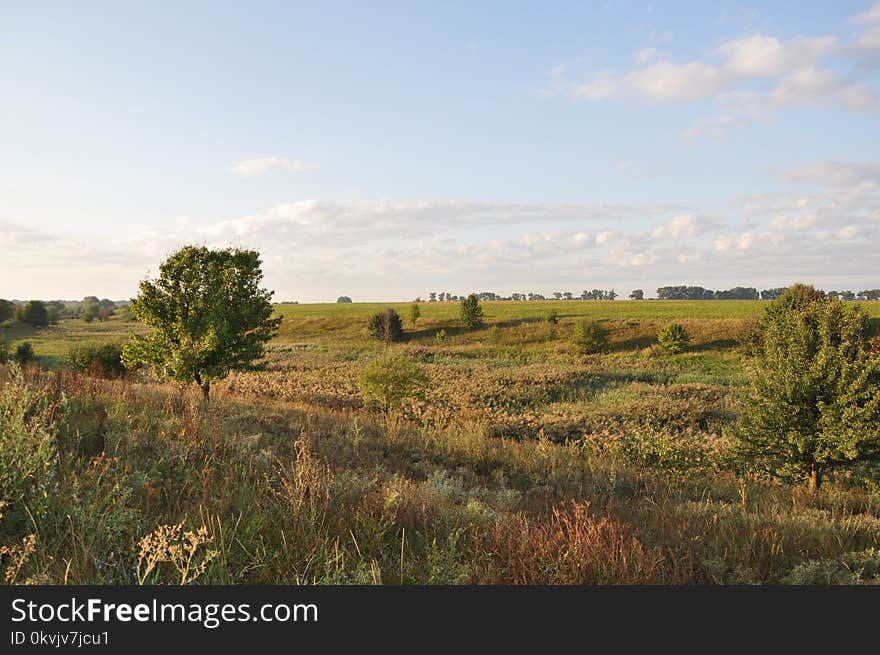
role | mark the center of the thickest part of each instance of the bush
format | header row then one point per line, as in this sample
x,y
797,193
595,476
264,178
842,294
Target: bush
x,y
390,380
33,313
386,326
553,317
104,361
673,338
4,352
590,336
440,337
24,353
471,312
343,300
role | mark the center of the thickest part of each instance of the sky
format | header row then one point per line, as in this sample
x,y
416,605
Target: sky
x,y
386,150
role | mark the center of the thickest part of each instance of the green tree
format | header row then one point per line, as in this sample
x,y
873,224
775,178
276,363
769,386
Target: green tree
x,y
813,404
414,313
471,312
90,312
24,353
207,313
390,380
673,338
386,325
7,310
33,313
590,336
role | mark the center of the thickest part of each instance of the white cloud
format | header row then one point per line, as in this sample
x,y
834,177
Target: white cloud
x,y
682,227
872,15
747,78
260,165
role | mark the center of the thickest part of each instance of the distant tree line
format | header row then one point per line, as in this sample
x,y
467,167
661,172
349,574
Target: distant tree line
x,y
750,293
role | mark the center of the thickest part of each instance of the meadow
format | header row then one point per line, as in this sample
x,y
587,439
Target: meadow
x,y
523,462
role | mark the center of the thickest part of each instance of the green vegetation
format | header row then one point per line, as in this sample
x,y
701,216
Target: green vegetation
x,y
386,326
590,337
673,338
815,390
503,456
207,316
471,312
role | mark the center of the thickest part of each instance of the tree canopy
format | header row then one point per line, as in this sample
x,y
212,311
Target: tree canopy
x,y
207,313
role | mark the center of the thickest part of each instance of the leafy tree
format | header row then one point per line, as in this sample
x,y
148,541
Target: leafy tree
x,y
104,313
673,338
471,312
343,300
90,312
207,313
386,325
637,294
390,380
33,313
590,336
414,313
7,310
813,404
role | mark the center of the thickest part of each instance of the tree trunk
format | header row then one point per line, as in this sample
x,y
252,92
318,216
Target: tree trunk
x,y
206,391
814,479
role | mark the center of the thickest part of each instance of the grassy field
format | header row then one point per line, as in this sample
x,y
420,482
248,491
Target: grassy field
x,y
523,462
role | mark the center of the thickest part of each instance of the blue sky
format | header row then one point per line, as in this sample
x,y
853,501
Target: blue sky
x,y
385,150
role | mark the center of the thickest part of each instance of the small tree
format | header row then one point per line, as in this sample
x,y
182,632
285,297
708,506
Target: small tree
x,y
390,380
90,312
637,294
207,313
673,338
343,300
24,353
813,404
7,310
386,325
33,313
590,336
414,313
471,312
553,316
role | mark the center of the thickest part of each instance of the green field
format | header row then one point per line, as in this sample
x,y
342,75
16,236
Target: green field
x,y
523,461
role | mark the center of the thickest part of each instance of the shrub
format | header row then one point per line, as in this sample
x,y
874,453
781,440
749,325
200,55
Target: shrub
x,y
386,325
471,312
104,361
33,313
673,338
440,337
24,353
343,300
553,317
812,405
4,352
390,380
414,313
590,336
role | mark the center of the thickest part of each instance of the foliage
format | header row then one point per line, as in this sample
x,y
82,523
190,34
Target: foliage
x,y
207,313
343,299
590,337
471,313
390,380
813,404
104,360
7,310
24,353
386,325
440,337
414,313
673,338
553,316
33,313
28,456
